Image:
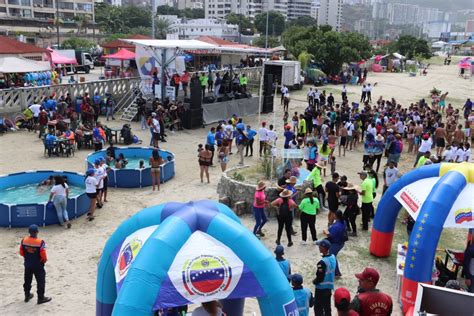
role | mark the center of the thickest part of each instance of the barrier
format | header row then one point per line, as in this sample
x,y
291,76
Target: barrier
x,y
135,177
146,266
214,112
23,215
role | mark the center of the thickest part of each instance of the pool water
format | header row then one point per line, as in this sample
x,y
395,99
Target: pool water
x,y
134,163
31,193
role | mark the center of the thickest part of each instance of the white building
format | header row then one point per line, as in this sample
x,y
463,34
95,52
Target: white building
x,y
434,29
365,27
402,13
297,8
191,29
379,9
314,11
330,13
191,4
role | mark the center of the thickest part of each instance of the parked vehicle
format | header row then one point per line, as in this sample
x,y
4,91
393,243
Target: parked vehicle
x,y
285,72
84,60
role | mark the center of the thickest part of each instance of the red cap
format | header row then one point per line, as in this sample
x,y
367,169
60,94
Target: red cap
x,y
369,274
341,294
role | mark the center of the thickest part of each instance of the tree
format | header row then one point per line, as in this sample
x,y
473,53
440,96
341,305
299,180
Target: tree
x,y
82,22
186,13
276,23
330,49
77,43
303,21
162,27
113,19
305,58
410,46
260,42
246,26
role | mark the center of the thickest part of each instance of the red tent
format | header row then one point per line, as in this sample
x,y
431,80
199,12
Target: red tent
x,y
57,58
122,54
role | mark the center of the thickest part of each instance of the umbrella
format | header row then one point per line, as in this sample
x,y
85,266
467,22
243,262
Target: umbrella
x,y
122,54
465,65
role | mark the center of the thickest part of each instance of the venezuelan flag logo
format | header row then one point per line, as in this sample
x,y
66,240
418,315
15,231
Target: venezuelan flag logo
x,y
463,215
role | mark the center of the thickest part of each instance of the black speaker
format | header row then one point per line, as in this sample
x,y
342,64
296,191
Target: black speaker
x,y
196,94
268,85
267,106
193,118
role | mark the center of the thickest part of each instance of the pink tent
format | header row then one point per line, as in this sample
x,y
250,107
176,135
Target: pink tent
x,y
122,54
57,58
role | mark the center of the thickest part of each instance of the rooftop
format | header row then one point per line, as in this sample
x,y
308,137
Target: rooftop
x,y
12,46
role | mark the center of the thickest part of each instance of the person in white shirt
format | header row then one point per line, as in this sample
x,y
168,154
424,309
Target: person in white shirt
x,y
459,154
372,129
59,195
263,138
350,130
212,308
344,92
283,91
99,175
426,144
448,154
467,152
369,92
271,136
310,97
155,126
91,191
390,175
36,109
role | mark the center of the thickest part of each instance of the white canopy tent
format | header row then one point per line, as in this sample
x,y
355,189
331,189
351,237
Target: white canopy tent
x,y
22,65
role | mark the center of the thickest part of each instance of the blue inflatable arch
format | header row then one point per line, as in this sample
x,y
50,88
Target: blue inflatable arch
x,y
147,276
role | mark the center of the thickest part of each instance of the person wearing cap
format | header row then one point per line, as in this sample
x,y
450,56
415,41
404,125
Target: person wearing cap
x,y
259,204
303,296
367,194
342,301
91,191
211,141
324,281
315,176
284,264
308,208
337,235
263,138
33,250
425,146
371,301
285,205
155,129
99,174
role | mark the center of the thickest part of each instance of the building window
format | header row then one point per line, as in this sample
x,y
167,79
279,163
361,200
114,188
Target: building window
x,y
84,7
66,5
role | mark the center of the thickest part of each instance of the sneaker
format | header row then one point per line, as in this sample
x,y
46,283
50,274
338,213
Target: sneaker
x,y
28,297
44,300
257,235
261,233
277,242
314,242
303,243
290,244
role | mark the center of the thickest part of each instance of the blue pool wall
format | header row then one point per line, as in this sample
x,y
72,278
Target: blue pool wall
x,y
135,178
23,215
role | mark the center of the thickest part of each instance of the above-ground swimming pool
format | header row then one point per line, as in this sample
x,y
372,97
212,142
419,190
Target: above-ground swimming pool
x,y
23,202
132,176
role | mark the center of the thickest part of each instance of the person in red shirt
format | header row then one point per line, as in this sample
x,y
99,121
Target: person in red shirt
x,y
176,81
185,82
342,301
33,250
371,301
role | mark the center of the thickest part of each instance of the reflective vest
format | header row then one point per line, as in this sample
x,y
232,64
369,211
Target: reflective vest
x,y
328,282
302,297
33,250
285,267
243,81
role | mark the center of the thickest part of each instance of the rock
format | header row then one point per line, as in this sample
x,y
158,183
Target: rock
x,y
240,208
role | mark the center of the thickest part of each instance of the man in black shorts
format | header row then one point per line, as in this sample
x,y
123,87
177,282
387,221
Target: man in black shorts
x,y
332,190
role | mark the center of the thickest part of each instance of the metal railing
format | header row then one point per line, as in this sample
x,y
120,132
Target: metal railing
x,y
17,99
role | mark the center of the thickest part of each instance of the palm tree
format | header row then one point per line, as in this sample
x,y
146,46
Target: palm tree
x,y
82,22
162,27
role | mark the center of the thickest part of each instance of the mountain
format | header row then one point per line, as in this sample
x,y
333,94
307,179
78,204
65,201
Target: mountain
x,y
443,5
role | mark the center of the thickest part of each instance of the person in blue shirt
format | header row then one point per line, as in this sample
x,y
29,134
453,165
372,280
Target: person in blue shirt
x,y
324,281
250,136
282,262
288,134
303,296
337,235
241,140
51,105
219,136
211,141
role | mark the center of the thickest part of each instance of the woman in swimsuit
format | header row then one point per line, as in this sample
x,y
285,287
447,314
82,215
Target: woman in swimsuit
x,y
155,162
224,155
204,158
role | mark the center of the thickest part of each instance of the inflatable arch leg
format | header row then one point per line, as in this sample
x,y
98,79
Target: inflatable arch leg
x,y
106,291
389,207
143,284
426,233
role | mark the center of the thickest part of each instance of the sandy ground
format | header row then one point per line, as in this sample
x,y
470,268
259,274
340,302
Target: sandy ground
x,y
74,254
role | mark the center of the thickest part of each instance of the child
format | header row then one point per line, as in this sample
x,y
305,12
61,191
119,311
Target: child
x,y
282,262
332,162
448,154
304,295
200,148
141,164
294,121
285,118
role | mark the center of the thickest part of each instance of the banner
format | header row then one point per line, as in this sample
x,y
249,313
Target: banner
x,y
127,252
414,195
149,62
205,269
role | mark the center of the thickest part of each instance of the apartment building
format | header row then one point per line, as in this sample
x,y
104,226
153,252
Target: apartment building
x,y
330,13
298,8
46,9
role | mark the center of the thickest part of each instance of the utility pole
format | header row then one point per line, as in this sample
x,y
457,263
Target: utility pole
x,y
153,14
266,31
57,22
240,21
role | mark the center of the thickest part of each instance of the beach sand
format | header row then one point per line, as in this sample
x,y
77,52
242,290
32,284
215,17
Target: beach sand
x,y
73,254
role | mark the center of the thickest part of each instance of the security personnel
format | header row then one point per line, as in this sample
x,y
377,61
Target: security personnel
x,y
370,301
282,262
324,281
33,250
243,82
303,296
